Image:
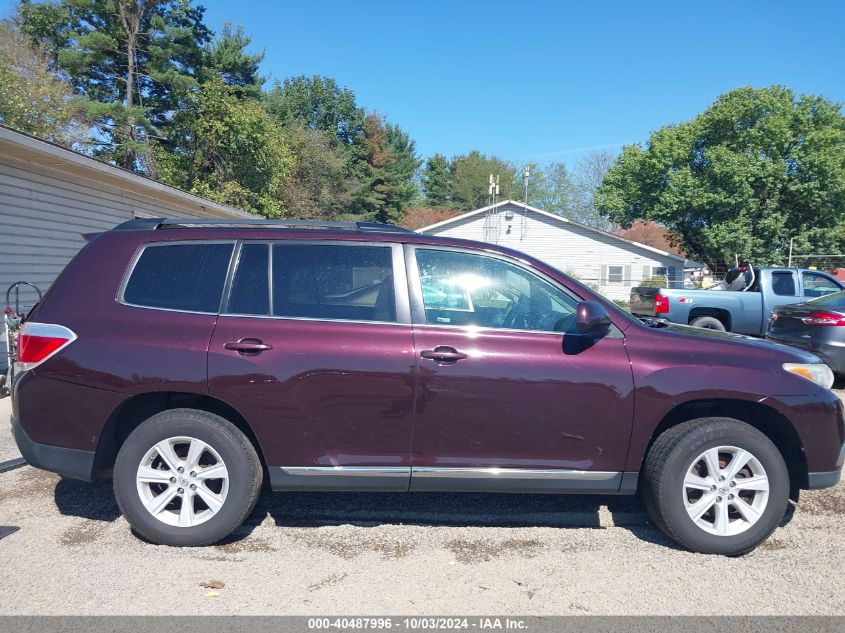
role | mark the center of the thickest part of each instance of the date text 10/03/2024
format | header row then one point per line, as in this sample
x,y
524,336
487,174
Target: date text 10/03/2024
x,y
417,624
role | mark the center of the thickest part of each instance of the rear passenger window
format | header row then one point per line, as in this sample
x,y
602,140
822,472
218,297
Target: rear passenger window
x,y
333,282
186,277
251,284
783,284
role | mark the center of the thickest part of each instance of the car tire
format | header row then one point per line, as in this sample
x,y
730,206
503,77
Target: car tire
x,y
737,513
204,502
709,323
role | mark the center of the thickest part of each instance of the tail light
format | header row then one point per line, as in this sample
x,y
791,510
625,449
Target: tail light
x,y
39,341
661,304
824,318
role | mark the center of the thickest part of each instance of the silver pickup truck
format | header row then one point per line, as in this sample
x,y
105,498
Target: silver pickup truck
x,y
745,311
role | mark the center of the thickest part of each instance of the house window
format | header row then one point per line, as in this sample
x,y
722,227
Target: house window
x,y
659,271
615,274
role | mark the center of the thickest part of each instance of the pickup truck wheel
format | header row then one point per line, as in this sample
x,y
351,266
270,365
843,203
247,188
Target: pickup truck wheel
x,y
716,485
186,477
709,323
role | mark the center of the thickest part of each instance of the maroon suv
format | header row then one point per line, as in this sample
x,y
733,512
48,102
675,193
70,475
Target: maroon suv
x,y
196,360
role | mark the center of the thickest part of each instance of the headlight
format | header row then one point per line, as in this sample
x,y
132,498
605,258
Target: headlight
x,y
819,373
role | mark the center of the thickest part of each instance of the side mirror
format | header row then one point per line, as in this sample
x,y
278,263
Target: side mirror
x,y
592,319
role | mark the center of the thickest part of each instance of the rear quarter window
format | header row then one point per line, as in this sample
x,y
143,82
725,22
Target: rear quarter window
x,y
187,277
783,284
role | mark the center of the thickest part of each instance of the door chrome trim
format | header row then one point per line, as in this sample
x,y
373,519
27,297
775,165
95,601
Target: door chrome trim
x,y
348,471
341,478
512,473
451,472
450,479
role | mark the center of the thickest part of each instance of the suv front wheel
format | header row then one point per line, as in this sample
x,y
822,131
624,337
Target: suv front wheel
x,y
186,477
716,485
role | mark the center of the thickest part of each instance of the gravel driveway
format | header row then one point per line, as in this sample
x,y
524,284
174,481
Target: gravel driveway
x,y
345,553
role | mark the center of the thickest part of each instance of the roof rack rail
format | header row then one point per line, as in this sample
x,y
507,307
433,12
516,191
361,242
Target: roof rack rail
x,y
151,224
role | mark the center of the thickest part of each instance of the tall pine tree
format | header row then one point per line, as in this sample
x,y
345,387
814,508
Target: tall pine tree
x,y
226,57
387,173
133,59
435,181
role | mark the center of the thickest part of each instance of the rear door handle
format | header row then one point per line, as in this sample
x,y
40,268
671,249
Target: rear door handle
x,y
249,346
443,354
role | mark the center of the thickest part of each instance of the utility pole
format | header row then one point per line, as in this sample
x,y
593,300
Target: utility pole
x,y
525,182
491,219
791,240
524,223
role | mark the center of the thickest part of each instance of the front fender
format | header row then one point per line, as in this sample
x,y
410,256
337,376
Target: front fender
x,y
675,369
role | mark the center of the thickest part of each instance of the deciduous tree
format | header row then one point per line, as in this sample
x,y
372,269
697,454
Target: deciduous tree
x,y
470,175
551,188
319,186
230,150
319,103
33,98
651,234
588,175
758,167
417,217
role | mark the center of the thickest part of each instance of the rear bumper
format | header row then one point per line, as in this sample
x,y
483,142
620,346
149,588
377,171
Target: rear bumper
x,y
829,478
68,462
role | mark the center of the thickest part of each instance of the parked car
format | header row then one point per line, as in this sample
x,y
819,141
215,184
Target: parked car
x,y
817,326
745,311
198,360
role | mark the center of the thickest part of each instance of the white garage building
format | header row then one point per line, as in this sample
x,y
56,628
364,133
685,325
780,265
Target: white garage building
x,y
50,196
606,261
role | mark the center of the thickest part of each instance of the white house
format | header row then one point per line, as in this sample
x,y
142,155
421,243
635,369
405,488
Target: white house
x,y
606,261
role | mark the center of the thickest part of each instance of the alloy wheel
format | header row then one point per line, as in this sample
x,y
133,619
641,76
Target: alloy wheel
x,y
725,490
182,481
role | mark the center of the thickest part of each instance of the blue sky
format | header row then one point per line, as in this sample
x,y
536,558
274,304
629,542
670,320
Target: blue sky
x,y
544,80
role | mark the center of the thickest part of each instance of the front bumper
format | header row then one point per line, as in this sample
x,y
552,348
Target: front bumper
x,y
827,479
68,462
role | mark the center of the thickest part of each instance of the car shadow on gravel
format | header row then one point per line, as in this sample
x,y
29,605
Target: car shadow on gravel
x,y
96,502
368,509
88,501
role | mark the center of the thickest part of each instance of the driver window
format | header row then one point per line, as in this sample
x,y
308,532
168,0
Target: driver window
x,y
816,285
466,289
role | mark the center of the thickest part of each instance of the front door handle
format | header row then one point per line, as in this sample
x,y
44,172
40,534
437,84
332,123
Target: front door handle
x,y
249,346
443,354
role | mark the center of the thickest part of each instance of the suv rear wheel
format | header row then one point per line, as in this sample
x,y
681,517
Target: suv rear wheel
x,y
716,485
186,477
